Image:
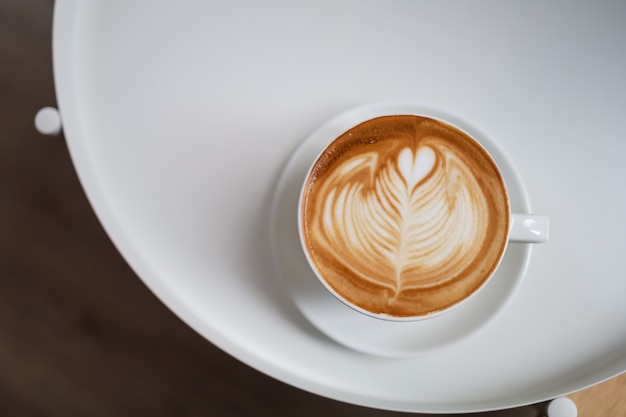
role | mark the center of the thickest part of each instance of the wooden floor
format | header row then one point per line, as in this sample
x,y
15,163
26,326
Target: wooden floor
x,y
80,335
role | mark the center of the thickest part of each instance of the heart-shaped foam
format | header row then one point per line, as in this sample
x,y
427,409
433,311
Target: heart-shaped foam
x,y
415,167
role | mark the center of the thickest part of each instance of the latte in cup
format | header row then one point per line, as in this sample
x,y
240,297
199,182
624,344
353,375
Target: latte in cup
x,y
404,216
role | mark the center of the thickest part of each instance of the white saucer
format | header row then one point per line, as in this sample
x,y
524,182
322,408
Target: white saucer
x,y
351,328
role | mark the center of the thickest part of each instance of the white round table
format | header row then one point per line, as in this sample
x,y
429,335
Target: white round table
x,y
180,117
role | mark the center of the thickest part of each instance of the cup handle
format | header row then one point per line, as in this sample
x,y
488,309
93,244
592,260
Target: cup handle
x,y
529,228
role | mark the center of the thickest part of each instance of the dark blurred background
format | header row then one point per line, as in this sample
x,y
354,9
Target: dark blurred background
x,y
79,332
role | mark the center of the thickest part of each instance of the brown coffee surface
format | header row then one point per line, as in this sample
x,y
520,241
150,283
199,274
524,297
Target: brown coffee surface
x,y
404,216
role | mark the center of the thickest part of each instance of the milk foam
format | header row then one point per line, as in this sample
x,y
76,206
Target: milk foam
x,y
387,225
403,218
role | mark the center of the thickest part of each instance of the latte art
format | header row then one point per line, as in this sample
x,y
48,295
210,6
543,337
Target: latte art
x,y
404,216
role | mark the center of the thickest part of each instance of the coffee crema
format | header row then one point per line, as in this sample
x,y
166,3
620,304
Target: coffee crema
x,y
404,216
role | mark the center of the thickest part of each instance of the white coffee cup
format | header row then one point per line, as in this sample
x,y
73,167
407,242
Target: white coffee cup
x,y
364,261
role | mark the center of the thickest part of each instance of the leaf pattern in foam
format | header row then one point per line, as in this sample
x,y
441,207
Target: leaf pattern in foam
x,y
412,221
